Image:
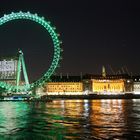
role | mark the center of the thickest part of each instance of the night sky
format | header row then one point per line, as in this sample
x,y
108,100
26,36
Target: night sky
x,y
93,32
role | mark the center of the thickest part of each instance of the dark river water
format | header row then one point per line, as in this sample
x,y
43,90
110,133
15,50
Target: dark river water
x,y
70,119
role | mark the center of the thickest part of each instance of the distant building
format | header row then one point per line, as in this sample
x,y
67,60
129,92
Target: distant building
x,y
66,88
112,84
64,85
74,85
8,70
136,84
108,85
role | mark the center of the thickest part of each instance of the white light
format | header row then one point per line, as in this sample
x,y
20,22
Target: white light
x,y
136,92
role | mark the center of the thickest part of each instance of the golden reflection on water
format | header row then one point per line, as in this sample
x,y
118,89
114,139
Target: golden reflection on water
x,y
104,117
71,119
107,116
73,113
71,108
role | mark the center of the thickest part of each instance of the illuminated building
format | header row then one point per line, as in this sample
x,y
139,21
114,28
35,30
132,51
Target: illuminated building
x,y
108,85
111,84
8,69
65,88
136,84
64,85
89,84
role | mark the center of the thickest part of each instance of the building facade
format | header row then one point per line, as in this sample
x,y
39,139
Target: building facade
x,y
89,84
136,84
108,85
64,88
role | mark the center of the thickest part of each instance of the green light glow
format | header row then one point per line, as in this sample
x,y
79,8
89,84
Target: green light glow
x,y
57,50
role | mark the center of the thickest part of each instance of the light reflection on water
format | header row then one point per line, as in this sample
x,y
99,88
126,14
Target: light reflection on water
x,y
70,119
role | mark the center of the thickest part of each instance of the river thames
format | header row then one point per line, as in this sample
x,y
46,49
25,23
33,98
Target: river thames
x,y
70,119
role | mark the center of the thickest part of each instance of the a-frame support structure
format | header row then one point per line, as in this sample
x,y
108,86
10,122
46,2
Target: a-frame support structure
x,y
21,67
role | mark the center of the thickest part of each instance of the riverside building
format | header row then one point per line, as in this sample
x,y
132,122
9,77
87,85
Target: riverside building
x,y
136,84
110,84
64,85
89,84
107,85
64,88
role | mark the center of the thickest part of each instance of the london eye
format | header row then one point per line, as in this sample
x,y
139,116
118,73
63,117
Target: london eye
x,y
56,54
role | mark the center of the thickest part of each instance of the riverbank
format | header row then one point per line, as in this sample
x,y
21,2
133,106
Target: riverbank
x,y
95,96
25,98
49,98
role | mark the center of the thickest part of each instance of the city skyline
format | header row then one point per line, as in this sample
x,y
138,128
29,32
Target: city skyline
x,y
93,34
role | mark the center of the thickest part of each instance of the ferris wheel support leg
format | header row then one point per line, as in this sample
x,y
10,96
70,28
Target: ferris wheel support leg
x,y
24,71
18,73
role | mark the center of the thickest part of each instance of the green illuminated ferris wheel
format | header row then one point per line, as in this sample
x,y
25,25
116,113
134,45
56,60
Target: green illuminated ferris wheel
x,y
56,43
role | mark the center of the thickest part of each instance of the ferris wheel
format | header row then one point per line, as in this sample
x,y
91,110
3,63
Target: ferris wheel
x,y
56,55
